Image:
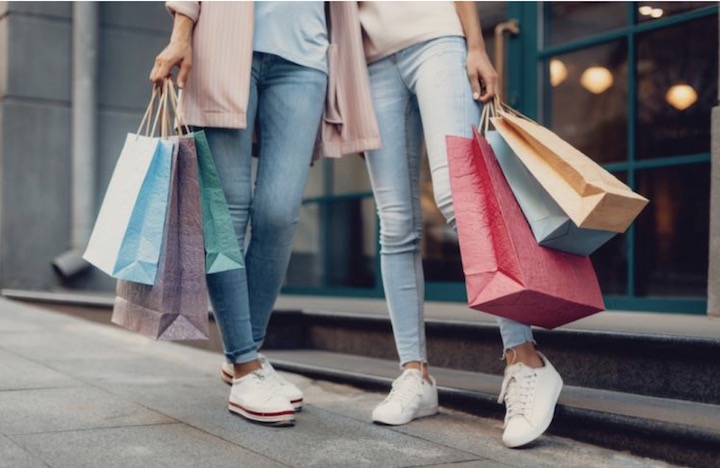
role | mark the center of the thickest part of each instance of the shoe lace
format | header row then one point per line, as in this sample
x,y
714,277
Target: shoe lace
x,y
268,381
518,390
404,389
270,372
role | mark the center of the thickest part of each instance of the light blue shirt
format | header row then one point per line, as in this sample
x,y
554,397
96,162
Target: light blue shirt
x,y
296,31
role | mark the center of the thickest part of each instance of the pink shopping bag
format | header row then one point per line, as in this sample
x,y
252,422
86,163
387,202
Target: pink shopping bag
x,y
506,272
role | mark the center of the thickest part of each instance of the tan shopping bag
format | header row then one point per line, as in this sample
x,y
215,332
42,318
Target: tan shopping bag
x,y
590,196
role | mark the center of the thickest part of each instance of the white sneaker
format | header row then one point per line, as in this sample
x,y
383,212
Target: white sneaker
x,y
257,397
530,395
290,390
411,397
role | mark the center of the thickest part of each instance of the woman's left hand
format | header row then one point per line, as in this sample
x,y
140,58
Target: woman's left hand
x,y
482,75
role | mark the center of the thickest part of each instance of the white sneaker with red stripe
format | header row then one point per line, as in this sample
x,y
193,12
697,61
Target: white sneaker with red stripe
x,y
291,392
258,398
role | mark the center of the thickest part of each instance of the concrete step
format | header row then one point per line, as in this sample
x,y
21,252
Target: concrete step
x,y
651,364
645,383
663,355
682,432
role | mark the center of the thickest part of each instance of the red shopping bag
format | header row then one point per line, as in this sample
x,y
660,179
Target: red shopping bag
x,y
506,272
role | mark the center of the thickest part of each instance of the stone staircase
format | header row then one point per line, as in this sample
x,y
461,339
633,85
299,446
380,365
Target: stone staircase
x,y
639,382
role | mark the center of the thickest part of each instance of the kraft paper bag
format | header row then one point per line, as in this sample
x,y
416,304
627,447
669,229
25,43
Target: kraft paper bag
x,y
126,239
550,225
222,251
506,272
591,196
176,306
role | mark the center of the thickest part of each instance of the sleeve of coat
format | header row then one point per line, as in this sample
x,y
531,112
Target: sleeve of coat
x,y
189,9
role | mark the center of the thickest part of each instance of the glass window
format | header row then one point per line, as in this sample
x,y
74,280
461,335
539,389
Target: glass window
x,y
350,175
340,253
350,242
588,99
305,269
651,11
610,261
677,73
570,21
671,252
440,251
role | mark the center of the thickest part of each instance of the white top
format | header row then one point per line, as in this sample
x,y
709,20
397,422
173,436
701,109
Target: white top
x,y
389,27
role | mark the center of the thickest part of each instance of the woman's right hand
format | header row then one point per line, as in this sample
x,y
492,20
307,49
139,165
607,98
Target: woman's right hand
x,y
177,53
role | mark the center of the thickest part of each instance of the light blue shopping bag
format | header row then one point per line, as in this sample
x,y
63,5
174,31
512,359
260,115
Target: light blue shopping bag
x,y
550,225
139,253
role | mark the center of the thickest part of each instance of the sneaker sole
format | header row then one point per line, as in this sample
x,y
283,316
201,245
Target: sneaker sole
x,y
278,419
227,378
421,414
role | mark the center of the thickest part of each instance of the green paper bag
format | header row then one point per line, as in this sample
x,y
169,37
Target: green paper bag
x,y
222,251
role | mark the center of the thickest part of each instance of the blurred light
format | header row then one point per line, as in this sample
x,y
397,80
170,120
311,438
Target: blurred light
x,y
596,79
656,12
645,10
558,72
681,96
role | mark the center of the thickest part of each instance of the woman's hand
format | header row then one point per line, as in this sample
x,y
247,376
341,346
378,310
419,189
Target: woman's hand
x,y
177,53
482,75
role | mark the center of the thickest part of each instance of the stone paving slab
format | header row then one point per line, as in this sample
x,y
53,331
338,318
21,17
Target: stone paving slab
x,y
13,456
17,374
62,409
479,436
136,402
163,446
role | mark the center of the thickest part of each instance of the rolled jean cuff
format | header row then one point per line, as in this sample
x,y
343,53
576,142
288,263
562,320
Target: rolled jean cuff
x,y
241,357
514,334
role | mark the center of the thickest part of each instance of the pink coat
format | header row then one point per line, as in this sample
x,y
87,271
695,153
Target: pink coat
x,y
216,93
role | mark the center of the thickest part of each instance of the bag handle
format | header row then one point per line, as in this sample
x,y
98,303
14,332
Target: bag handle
x,y
145,120
161,94
490,110
179,117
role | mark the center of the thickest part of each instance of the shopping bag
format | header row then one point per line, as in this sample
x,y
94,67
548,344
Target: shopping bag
x,y
126,239
176,306
222,251
550,225
591,196
127,236
506,272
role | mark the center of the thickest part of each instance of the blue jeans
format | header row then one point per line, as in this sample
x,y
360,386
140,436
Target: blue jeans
x,y
422,89
288,100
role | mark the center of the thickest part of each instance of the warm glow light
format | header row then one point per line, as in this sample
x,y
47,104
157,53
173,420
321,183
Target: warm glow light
x,y
681,96
656,12
645,10
596,79
558,72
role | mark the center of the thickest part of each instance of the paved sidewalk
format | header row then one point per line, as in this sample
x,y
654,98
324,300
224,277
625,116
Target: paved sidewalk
x,y
78,394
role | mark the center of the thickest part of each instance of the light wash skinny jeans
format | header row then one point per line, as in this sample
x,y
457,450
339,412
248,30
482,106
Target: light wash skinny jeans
x,y
288,99
421,89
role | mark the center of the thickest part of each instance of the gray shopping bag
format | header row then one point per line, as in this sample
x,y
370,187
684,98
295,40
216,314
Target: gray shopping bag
x,y
176,306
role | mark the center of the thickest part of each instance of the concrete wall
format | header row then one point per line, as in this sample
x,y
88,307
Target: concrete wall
x,y
714,261
35,118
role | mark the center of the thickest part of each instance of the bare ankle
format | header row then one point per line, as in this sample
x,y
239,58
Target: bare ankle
x,y
241,370
525,354
417,365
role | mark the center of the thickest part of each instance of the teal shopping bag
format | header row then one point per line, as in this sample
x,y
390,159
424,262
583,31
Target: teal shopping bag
x,y
222,251
550,225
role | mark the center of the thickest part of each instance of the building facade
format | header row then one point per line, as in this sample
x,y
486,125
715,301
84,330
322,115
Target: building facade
x,y
631,84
